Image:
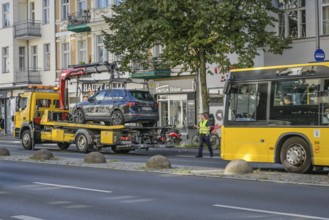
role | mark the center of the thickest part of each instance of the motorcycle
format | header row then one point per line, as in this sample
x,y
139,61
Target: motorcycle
x,y
170,135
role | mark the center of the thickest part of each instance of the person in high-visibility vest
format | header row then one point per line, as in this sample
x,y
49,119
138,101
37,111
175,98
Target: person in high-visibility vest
x,y
204,131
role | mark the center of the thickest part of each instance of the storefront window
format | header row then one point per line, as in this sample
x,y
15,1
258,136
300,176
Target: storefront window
x,y
173,111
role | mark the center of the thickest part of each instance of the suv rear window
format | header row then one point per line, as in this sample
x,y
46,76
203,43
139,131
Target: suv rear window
x,y
141,95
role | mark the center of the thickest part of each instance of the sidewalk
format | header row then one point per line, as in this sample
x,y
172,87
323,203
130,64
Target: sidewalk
x,y
318,179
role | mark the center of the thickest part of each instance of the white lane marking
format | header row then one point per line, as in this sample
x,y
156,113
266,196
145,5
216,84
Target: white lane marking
x,y
76,206
25,217
59,202
191,156
271,212
9,141
73,187
136,200
121,197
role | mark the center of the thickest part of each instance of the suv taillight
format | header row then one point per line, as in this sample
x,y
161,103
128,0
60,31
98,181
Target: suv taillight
x,y
132,104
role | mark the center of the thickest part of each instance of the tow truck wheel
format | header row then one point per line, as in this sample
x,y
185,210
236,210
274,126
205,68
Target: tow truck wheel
x,y
117,118
81,142
27,140
79,116
63,146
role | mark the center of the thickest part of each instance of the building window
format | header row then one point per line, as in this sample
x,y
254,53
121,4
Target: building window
x,y
65,9
325,16
157,50
5,15
103,3
5,59
22,58
32,12
117,2
34,58
65,55
81,7
46,51
293,20
46,11
101,51
82,45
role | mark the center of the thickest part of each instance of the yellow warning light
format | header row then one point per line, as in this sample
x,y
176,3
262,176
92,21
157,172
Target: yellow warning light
x,y
43,87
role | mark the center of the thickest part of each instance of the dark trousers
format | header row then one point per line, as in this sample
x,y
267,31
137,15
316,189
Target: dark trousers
x,y
203,138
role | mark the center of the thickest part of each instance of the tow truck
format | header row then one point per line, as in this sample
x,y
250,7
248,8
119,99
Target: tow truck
x,y
43,116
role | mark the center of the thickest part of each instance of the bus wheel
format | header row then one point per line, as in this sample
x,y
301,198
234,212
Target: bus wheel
x,y
63,146
82,144
296,156
27,140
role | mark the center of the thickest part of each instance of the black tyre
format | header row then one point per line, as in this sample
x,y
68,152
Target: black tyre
x,y
63,146
215,141
82,144
27,140
149,124
79,116
117,151
172,140
117,118
296,156
195,140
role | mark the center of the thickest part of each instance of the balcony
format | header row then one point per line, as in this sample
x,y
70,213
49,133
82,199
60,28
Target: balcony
x,y
153,69
26,30
31,76
77,22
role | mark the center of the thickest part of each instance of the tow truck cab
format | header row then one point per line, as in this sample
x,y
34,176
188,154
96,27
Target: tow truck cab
x,y
31,105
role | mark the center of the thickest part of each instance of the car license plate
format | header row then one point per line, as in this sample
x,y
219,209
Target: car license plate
x,y
146,108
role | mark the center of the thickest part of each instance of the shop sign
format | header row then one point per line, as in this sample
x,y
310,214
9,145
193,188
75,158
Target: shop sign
x,y
167,89
86,87
174,86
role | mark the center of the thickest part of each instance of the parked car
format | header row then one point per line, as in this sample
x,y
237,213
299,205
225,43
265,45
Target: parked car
x,y
117,107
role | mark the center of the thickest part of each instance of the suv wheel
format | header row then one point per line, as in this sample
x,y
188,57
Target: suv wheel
x,y
117,118
79,116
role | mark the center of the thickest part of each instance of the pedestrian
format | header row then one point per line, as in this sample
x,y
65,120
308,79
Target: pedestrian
x,y
204,137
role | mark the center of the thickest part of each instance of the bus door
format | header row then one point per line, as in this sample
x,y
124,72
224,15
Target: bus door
x,y
247,116
321,144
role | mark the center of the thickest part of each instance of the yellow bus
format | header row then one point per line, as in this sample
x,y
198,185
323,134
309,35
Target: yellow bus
x,y
278,114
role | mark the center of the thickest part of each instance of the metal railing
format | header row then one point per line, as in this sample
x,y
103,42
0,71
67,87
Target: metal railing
x,y
77,18
28,28
28,76
152,65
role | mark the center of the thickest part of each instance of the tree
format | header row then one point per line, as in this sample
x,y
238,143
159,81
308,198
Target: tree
x,y
194,33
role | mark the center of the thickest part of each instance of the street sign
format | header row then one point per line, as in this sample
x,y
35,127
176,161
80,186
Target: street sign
x,y
319,55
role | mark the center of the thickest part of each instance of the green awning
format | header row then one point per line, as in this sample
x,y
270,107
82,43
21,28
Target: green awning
x,y
78,28
151,74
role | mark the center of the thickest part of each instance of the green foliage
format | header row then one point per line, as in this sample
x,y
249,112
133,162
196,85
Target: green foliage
x,y
194,33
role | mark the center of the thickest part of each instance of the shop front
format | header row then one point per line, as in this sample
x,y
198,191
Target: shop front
x,y
176,99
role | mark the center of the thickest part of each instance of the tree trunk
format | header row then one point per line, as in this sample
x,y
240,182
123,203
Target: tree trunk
x,y
203,81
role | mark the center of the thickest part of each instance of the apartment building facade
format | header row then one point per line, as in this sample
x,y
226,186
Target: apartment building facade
x,y
27,47
308,23
79,40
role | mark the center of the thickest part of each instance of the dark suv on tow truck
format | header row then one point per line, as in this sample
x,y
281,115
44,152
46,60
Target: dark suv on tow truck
x,y
117,107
